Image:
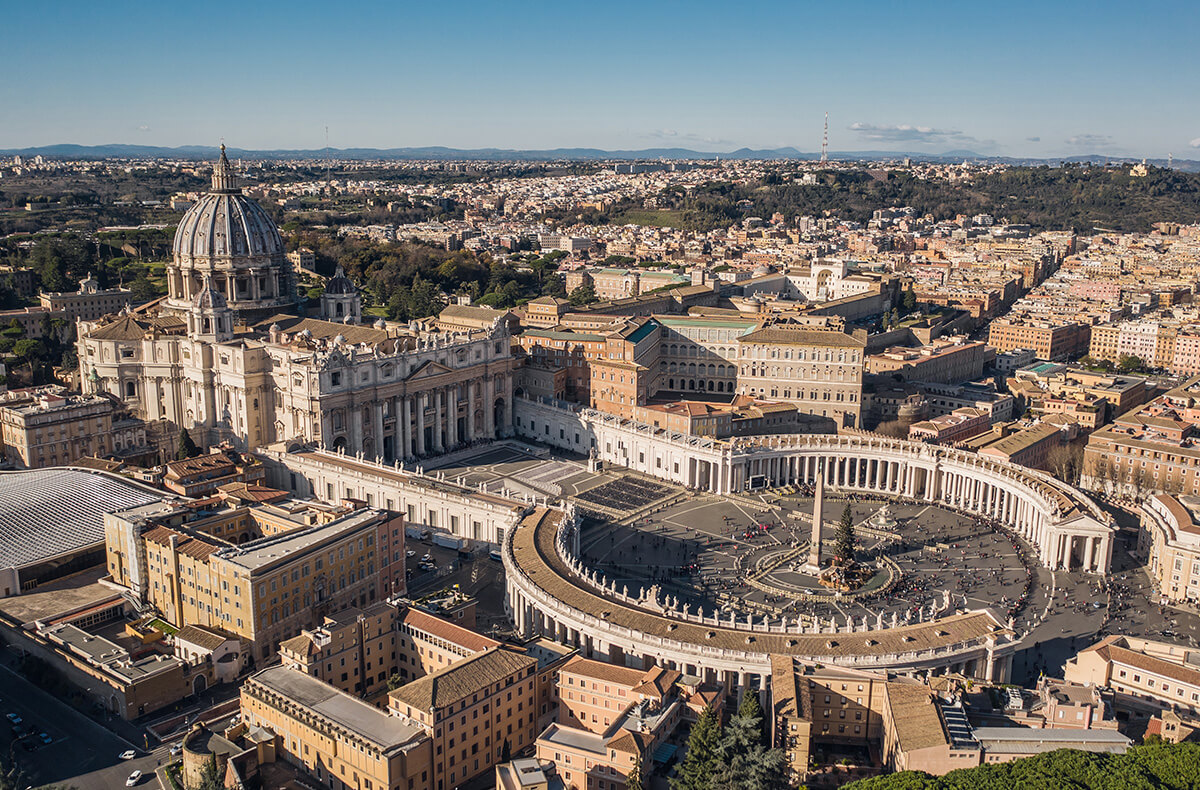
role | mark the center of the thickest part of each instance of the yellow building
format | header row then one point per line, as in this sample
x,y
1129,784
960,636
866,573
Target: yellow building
x,y
261,574
339,739
471,711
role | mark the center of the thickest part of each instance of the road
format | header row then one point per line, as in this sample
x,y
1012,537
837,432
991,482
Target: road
x,y
84,754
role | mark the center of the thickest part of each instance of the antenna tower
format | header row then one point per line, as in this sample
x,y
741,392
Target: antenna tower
x,y
825,141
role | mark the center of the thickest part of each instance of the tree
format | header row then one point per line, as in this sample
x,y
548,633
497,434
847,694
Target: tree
x,y
751,708
744,760
583,295
843,543
700,763
210,778
394,682
1128,363
506,751
142,289
186,447
909,300
633,781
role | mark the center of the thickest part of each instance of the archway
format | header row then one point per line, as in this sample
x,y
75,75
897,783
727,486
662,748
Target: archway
x,y
339,443
199,684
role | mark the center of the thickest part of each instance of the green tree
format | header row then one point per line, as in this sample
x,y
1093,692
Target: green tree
x,y
143,289
700,763
186,448
210,778
1129,363
843,544
394,682
909,301
583,295
744,762
633,781
751,709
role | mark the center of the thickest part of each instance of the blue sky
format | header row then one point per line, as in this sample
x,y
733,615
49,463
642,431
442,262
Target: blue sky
x,y
1019,78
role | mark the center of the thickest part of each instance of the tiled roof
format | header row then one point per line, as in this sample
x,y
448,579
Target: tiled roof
x,y
462,679
447,630
802,337
192,547
915,717
209,640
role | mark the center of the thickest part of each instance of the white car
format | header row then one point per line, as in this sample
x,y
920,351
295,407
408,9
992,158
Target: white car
x,y
133,779
175,749
127,755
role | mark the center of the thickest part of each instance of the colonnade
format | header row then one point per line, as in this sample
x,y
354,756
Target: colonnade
x,y
422,423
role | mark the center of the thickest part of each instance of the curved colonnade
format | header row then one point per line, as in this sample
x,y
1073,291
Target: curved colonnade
x,y
550,593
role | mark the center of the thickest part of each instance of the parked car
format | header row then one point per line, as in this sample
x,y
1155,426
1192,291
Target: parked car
x,y
13,718
127,755
45,737
133,779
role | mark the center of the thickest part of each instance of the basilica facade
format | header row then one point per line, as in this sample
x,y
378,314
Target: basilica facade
x,y
229,355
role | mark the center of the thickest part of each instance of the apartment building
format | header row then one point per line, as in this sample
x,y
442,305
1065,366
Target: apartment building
x,y
951,428
353,650
474,711
1140,671
334,736
609,718
1169,538
945,360
1049,340
45,427
260,574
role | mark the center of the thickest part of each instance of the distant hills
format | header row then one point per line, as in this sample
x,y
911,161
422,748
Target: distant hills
x,y
120,150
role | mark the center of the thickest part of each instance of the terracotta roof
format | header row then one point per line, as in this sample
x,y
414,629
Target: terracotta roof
x,y
657,682
201,463
778,335
124,328
1120,654
462,679
444,629
915,717
192,547
604,672
302,644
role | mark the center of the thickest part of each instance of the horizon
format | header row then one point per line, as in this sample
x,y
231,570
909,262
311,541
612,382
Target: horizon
x,y
1023,81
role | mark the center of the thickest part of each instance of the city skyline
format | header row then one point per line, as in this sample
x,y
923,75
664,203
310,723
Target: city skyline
x,y
1025,81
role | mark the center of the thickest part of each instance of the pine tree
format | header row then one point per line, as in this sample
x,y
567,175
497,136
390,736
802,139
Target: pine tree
x,y
909,302
186,447
752,709
634,780
700,763
843,547
743,761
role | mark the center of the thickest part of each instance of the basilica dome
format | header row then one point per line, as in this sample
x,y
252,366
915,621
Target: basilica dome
x,y
230,239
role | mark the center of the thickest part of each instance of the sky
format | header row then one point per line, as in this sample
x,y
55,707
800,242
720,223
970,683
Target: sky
x,y
1043,79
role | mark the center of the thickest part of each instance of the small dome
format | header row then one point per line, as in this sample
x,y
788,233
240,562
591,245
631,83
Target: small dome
x,y
339,340
381,324
305,333
209,298
340,284
274,328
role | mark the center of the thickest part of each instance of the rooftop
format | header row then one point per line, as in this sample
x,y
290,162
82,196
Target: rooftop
x,y
384,731
462,679
48,512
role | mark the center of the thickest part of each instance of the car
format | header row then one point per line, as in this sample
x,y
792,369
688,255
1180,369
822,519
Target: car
x,y
133,779
19,731
13,718
410,553
175,749
45,737
128,754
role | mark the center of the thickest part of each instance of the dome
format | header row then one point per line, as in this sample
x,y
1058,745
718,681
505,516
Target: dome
x,y
209,298
340,284
226,224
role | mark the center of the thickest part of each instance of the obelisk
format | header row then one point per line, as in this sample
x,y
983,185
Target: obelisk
x,y
814,548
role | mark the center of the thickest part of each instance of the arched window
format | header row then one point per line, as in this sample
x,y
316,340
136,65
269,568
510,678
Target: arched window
x,y
130,389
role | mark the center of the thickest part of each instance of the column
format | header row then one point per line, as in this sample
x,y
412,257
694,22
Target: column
x,y
420,425
452,419
356,435
378,428
439,412
405,429
1066,552
472,428
489,409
